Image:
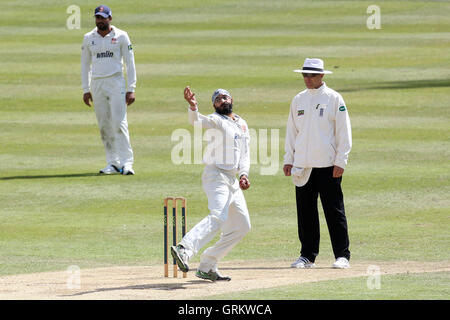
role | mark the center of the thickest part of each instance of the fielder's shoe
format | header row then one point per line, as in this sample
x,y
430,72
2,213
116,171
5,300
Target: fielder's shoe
x,y
110,169
127,170
211,275
179,254
341,263
302,263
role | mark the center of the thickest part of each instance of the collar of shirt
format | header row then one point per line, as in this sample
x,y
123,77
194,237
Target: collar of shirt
x,y
110,34
235,121
318,90
229,118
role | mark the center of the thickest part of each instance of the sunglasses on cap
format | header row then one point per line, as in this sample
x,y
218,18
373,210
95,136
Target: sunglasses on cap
x,y
310,75
220,97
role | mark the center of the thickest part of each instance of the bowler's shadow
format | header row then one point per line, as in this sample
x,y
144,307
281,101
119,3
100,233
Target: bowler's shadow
x,y
178,286
156,286
52,176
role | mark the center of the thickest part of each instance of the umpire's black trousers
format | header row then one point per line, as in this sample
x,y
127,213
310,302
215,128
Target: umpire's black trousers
x,y
321,183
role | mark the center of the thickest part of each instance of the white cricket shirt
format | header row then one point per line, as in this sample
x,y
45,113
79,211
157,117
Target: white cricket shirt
x,y
229,144
104,56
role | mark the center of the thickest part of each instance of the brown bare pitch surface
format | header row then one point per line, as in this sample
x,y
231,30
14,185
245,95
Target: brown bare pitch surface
x,y
136,282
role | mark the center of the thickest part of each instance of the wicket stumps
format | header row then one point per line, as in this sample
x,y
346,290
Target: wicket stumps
x,y
174,231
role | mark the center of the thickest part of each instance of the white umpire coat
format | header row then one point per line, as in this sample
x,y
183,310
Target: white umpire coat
x,y
318,130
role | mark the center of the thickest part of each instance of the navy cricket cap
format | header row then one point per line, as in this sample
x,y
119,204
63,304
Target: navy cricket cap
x,y
103,11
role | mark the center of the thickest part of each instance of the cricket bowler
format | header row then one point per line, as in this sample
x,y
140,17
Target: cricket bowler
x,y
226,202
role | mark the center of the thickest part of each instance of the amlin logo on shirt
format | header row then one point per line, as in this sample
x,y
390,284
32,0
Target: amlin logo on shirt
x,y
107,54
300,112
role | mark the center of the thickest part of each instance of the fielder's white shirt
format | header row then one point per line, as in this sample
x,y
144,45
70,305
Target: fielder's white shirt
x,y
104,56
318,132
229,149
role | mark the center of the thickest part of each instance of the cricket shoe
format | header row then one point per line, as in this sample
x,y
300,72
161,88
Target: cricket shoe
x,y
179,254
110,169
341,263
127,170
302,263
211,275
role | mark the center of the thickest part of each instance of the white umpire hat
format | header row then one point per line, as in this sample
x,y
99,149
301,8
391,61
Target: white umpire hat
x,y
313,66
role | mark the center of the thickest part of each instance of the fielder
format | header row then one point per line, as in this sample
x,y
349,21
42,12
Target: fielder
x,y
103,51
226,202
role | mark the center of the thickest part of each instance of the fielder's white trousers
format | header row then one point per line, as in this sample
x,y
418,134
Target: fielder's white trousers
x,y
228,213
108,95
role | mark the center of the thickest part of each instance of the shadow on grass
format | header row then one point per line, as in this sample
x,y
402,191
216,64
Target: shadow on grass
x,y
395,85
51,176
255,268
157,286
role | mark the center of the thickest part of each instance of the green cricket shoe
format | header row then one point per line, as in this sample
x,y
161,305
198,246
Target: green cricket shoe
x,y
180,256
211,275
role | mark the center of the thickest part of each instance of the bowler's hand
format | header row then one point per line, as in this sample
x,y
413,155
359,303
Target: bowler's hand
x,y
189,96
129,98
287,169
337,172
86,98
244,183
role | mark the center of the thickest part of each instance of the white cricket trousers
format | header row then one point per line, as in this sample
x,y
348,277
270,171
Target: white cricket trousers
x,y
108,95
228,213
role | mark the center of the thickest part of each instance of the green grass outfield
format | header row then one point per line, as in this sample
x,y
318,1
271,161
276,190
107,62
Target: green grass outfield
x,y
419,286
56,212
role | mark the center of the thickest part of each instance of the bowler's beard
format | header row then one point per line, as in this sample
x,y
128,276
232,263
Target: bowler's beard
x,y
225,108
102,26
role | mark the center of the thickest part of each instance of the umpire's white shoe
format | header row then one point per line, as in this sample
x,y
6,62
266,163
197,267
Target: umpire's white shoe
x,y
127,170
341,263
110,169
302,263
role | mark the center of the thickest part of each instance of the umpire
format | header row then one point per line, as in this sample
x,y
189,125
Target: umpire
x,y
318,141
